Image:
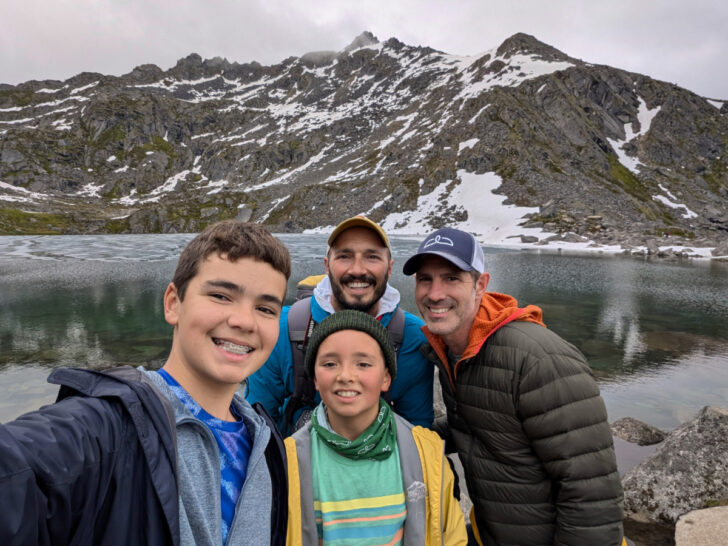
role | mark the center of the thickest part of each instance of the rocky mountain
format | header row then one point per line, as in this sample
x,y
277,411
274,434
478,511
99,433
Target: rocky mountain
x,y
413,137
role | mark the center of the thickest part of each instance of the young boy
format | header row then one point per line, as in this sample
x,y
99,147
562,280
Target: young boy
x,y
358,473
170,457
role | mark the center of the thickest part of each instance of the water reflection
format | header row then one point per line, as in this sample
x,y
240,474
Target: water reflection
x,y
654,333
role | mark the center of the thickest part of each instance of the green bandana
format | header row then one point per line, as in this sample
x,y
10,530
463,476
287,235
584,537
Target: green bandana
x,y
376,442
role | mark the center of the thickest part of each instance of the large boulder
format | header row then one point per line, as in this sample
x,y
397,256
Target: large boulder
x,y
702,527
635,431
721,249
687,472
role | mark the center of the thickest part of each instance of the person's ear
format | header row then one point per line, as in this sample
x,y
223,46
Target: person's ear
x,y
387,381
482,284
315,383
171,305
389,269
326,264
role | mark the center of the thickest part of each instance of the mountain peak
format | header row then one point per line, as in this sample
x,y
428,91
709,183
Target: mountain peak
x,y
364,39
525,43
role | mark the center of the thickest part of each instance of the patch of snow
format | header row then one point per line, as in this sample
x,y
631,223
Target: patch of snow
x,y
718,104
122,169
111,158
476,116
129,199
670,195
467,144
80,89
62,125
665,201
280,179
20,195
45,90
271,209
16,121
518,69
92,190
644,117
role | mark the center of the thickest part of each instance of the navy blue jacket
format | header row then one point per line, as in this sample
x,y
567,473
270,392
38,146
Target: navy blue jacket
x,y
97,467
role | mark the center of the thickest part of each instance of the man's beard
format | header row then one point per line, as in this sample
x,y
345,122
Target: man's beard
x,y
358,305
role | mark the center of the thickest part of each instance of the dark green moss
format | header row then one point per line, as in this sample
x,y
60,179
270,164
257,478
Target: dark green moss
x,y
117,225
13,221
112,136
17,97
624,178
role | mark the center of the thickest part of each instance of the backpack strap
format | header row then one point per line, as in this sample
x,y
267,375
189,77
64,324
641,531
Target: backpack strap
x,y
395,329
300,326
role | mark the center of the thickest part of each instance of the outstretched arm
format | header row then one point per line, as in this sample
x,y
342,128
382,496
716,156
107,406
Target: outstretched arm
x,y
53,468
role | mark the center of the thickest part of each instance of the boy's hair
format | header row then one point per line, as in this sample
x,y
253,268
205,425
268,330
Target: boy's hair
x,y
234,240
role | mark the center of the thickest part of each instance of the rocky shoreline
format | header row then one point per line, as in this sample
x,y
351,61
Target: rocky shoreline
x,y
675,483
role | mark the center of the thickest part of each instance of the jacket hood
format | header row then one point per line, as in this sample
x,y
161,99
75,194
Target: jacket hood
x,y
496,310
181,412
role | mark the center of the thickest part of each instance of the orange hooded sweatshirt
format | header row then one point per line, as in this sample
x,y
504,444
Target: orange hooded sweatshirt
x,y
496,310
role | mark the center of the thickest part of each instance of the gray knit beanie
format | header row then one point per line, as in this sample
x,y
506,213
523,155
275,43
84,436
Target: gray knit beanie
x,y
350,319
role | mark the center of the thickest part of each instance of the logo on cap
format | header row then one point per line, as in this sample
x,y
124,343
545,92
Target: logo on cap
x,y
439,240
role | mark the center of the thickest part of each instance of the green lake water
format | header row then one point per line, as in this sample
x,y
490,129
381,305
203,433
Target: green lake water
x,y
655,333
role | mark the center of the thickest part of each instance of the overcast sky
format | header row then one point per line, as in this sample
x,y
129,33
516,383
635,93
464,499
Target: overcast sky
x,y
679,41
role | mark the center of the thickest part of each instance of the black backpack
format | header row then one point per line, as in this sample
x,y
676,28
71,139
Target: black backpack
x,y
300,326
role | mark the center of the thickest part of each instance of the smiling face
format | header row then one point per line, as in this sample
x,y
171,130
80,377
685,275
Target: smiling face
x,y
225,327
350,375
448,299
358,265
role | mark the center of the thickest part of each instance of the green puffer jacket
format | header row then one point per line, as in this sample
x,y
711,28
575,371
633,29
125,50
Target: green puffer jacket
x,y
529,425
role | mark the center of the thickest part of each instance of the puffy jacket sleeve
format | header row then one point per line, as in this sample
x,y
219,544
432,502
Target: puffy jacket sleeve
x,y
565,419
53,465
272,384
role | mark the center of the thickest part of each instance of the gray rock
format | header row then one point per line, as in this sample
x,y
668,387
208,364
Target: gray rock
x,y
529,239
721,249
548,209
652,248
707,527
687,471
637,432
574,238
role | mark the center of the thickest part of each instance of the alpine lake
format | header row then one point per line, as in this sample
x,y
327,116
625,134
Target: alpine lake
x,y
655,333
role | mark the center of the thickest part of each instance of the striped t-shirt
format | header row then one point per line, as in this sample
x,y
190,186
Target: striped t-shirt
x,y
357,502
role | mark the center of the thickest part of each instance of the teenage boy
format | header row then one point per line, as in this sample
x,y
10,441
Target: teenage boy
x,y
358,473
358,265
523,410
133,456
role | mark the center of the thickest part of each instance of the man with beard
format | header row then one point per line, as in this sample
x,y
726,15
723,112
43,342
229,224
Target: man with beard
x,y
358,265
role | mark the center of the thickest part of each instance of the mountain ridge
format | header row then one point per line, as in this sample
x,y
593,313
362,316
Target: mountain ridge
x,y
613,156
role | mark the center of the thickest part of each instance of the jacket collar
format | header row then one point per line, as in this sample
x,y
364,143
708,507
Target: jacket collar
x,y
322,297
495,311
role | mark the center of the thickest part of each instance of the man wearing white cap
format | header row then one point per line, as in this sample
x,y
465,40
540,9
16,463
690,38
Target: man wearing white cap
x,y
523,410
358,264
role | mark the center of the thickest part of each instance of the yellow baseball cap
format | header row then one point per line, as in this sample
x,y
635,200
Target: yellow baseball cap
x,y
359,221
